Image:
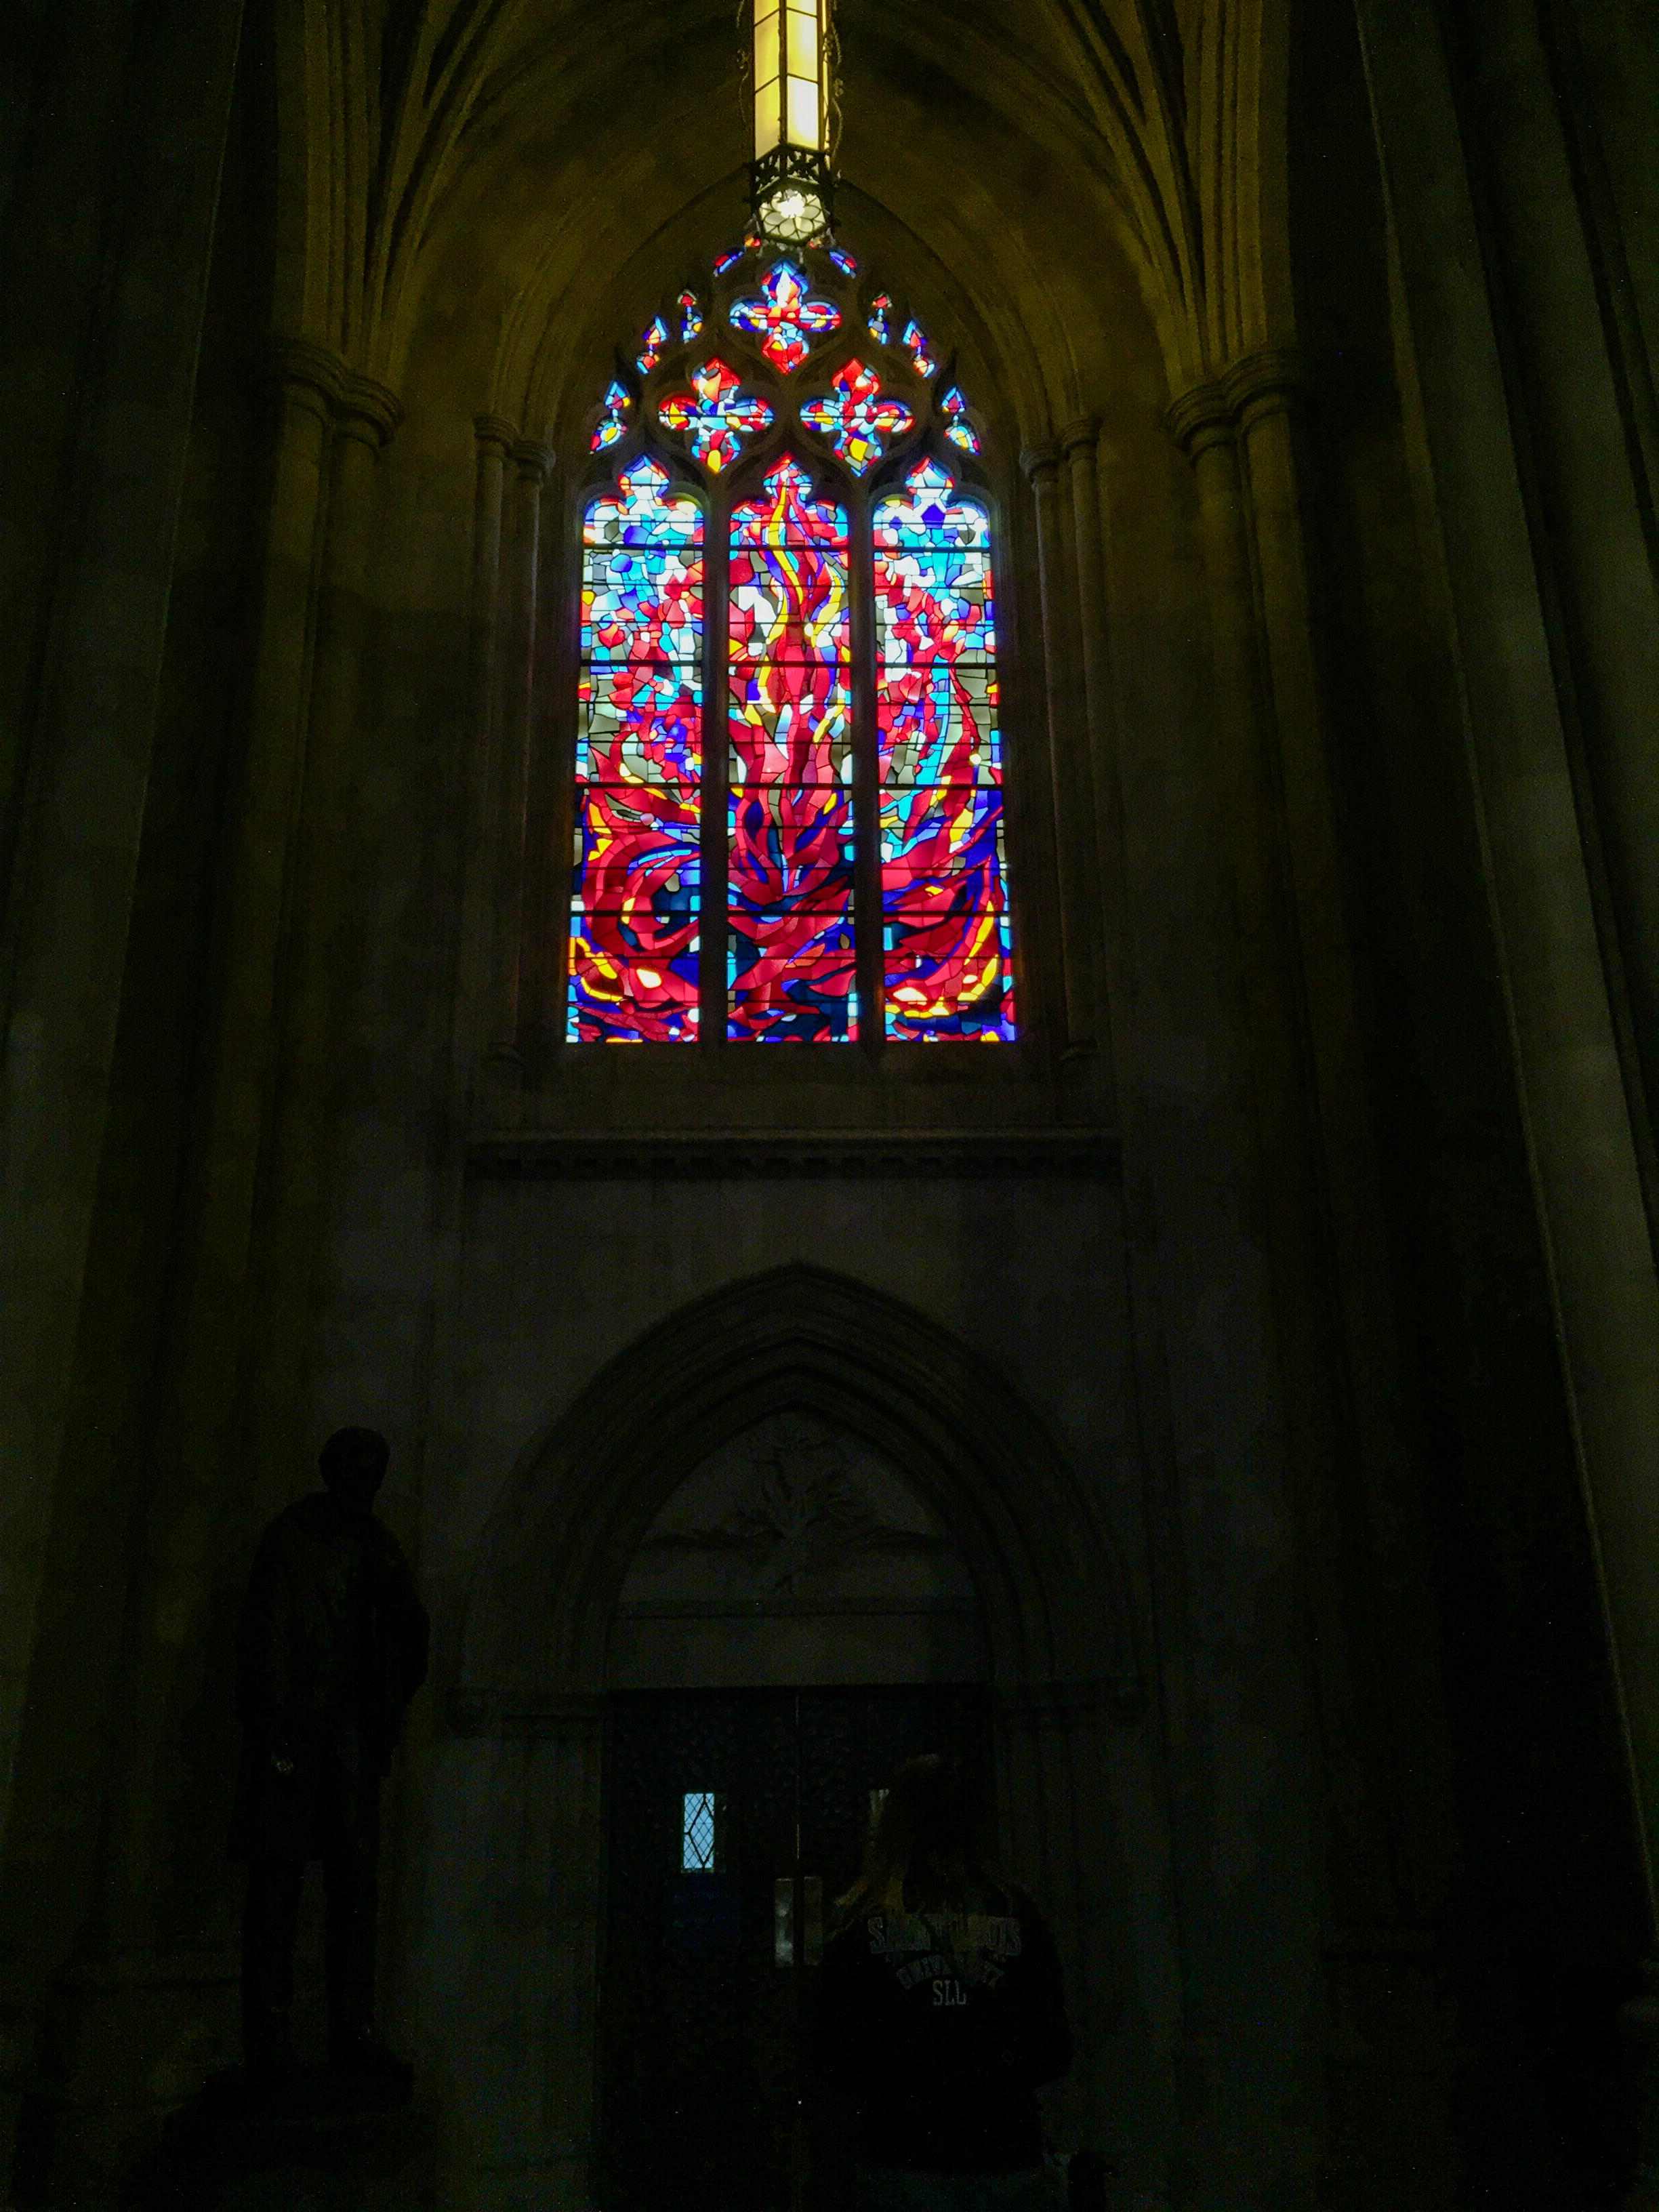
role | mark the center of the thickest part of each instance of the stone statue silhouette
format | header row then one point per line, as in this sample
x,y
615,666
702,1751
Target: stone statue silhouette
x,y
331,1647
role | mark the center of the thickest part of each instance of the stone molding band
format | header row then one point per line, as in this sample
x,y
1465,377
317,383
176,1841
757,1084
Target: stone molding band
x,y
477,1709
716,1156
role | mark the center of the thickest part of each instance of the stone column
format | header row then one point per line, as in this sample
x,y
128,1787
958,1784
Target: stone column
x,y
1285,1041
109,224
201,1401
514,1840
477,1012
1078,441
522,546
323,958
1370,1678
1519,714
1075,856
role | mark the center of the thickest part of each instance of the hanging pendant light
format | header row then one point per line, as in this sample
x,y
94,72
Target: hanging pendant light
x,y
793,59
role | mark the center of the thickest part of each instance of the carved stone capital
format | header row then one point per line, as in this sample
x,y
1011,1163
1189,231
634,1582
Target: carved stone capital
x,y
307,374
535,460
495,431
1199,418
369,411
1081,436
1273,380
1041,463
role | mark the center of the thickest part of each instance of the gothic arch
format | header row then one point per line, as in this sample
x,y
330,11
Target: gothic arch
x,y
1052,1592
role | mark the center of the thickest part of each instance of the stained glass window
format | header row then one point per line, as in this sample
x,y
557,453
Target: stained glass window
x,y
916,341
811,493
960,431
699,1837
791,958
947,971
634,922
613,418
784,318
716,417
856,418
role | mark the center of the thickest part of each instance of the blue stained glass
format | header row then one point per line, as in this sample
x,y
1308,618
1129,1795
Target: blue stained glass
x,y
844,262
697,1832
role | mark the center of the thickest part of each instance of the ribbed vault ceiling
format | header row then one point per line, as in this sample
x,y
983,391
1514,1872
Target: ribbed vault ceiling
x,y
492,193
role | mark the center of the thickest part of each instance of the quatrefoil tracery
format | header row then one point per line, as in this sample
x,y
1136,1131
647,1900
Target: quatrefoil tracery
x,y
718,419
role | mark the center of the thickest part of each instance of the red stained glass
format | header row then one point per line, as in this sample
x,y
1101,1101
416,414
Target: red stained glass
x,y
916,341
880,308
783,318
855,418
791,957
613,419
651,346
947,951
636,885
957,428
717,418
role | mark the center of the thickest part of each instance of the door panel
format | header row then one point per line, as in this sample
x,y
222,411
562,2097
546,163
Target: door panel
x,y
706,2094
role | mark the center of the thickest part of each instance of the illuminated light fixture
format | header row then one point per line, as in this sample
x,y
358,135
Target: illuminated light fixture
x,y
793,57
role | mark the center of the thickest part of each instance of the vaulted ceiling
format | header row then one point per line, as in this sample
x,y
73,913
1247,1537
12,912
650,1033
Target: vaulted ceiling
x,y
493,192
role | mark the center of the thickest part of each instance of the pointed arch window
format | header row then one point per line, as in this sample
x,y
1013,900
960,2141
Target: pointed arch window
x,y
788,820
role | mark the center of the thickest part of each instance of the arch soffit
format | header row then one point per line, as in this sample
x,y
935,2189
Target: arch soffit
x,y
1051,1587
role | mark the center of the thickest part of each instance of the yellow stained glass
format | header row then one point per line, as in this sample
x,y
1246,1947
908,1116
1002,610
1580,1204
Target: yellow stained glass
x,y
803,111
804,43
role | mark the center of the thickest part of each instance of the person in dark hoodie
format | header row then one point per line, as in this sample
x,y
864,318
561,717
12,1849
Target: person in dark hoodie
x,y
331,1647
940,2011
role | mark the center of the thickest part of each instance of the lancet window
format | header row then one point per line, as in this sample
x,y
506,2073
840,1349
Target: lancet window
x,y
788,818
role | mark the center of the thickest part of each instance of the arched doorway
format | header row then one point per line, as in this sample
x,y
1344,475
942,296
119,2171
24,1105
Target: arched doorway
x,y
648,1534
795,1620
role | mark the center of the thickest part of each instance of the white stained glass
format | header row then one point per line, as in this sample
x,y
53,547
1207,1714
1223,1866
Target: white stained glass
x,y
766,50
803,111
804,43
697,1836
768,62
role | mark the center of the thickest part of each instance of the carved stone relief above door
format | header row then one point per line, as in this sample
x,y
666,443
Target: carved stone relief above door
x,y
796,1552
